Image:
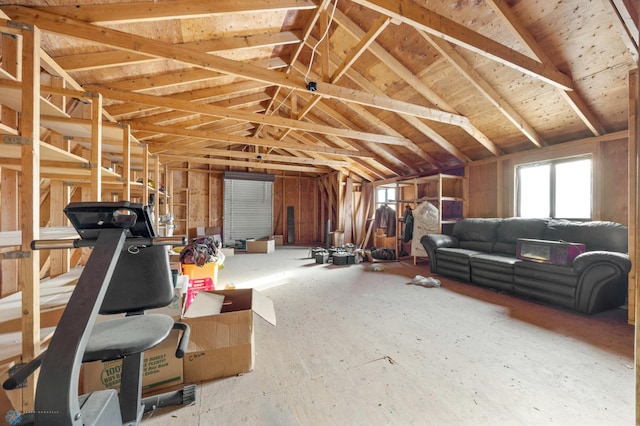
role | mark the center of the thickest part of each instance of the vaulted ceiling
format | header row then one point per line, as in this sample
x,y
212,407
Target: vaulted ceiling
x,y
374,88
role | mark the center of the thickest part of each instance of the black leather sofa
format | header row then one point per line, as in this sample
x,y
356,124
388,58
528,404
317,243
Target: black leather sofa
x,y
483,251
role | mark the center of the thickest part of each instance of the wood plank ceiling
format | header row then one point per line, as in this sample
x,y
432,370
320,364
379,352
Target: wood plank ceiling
x,y
404,88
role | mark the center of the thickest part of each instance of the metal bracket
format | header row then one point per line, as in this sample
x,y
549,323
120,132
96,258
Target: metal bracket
x,y
89,166
16,140
19,25
16,254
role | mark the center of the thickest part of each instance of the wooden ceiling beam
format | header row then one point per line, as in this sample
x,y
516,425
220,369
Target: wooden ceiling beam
x,y
413,14
355,53
414,121
381,23
218,95
485,88
216,111
229,138
624,16
236,163
117,58
396,66
134,43
412,80
573,99
225,153
363,113
174,9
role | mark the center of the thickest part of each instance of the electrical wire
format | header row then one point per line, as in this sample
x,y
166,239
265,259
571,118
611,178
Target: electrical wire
x,y
313,51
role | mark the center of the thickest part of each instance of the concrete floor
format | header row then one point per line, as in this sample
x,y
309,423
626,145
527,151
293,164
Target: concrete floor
x,y
357,347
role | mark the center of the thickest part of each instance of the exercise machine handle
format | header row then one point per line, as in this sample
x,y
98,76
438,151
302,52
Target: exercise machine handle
x,y
184,339
78,243
23,373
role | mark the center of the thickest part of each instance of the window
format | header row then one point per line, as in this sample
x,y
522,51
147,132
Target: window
x,y
557,189
386,195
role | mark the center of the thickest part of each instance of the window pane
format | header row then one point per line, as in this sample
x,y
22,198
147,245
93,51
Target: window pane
x,y
573,189
534,186
391,194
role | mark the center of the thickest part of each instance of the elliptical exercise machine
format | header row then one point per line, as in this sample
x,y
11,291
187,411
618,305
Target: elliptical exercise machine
x,y
127,272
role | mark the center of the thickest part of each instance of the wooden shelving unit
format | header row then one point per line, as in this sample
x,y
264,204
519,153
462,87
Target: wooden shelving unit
x,y
59,159
445,192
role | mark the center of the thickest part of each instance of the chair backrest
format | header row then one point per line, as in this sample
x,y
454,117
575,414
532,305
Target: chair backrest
x,y
141,280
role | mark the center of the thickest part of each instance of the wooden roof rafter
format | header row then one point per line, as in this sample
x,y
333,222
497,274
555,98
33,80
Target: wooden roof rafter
x,y
398,68
426,20
174,9
125,41
116,58
228,138
571,96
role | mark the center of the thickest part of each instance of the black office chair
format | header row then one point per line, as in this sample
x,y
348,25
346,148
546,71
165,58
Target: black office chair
x,y
127,273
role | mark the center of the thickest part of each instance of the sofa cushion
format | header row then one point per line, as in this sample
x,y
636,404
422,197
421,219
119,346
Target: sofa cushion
x,y
596,235
477,233
454,262
493,270
513,228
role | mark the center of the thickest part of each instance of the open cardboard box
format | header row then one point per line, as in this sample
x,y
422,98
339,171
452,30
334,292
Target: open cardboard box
x,y
223,344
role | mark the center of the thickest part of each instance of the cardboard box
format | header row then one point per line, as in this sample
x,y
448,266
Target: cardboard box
x,y
223,345
207,230
278,239
161,369
261,246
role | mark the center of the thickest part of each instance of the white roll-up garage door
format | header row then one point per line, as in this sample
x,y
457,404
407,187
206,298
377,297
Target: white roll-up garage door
x,y
248,206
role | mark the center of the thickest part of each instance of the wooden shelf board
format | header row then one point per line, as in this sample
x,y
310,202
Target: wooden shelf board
x,y
51,153
12,97
81,128
13,238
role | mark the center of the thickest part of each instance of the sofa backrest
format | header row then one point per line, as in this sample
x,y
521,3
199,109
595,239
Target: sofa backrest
x,y
510,229
501,235
595,235
476,233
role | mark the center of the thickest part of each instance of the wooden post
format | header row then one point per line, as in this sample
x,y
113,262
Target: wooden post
x,y
11,48
29,274
59,198
145,175
348,211
96,147
634,221
9,222
126,169
156,191
633,191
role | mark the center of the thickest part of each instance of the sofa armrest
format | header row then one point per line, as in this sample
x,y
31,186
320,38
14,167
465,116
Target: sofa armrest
x,y
602,282
584,260
432,242
436,241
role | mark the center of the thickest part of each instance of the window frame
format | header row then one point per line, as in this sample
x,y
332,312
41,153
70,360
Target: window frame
x,y
391,202
552,184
